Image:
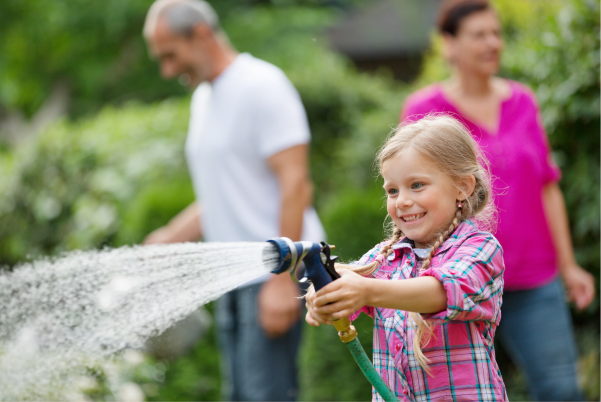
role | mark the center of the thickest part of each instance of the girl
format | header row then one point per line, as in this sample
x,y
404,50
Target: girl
x,y
434,288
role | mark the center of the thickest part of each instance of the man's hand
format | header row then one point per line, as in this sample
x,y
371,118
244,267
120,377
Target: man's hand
x,y
160,236
580,286
182,228
279,308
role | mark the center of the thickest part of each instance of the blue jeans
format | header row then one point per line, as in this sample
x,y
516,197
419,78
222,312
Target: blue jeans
x,y
536,330
254,366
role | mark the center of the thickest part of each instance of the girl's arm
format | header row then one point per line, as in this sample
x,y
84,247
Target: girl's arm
x,y
348,294
580,284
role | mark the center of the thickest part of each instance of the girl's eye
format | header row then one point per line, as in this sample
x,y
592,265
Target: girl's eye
x,y
392,191
417,186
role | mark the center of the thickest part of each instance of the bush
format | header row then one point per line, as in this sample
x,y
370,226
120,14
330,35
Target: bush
x,y
78,184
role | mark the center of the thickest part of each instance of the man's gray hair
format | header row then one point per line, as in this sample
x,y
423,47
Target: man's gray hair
x,y
181,16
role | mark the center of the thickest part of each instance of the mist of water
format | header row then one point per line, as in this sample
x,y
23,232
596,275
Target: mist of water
x,y
59,317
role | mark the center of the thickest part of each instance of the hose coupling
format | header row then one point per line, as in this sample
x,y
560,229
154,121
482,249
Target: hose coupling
x,y
346,331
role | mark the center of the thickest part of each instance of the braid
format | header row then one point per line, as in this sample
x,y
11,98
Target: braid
x,y
442,238
423,328
370,268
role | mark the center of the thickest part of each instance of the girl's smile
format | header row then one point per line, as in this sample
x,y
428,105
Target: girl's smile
x,y
421,199
412,218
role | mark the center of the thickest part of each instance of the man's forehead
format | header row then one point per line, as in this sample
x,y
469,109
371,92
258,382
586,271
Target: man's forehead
x,y
162,31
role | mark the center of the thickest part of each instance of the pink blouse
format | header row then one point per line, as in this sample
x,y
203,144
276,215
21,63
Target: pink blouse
x,y
521,166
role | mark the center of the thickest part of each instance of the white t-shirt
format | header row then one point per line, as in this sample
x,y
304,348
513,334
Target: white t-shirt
x,y
250,112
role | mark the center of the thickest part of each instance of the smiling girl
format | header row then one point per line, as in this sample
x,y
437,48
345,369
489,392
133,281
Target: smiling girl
x,y
434,288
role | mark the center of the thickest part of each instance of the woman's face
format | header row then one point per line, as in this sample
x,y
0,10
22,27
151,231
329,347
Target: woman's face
x,y
477,46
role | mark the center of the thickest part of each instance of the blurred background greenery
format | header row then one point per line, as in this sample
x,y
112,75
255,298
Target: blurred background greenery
x,y
91,144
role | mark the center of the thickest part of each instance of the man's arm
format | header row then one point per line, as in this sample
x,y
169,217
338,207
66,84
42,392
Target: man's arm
x,y
580,284
278,307
296,191
184,227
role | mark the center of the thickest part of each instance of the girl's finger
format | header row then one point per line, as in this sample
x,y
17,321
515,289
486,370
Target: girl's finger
x,y
330,287
342,314
329,298
310,320
322,318
332,308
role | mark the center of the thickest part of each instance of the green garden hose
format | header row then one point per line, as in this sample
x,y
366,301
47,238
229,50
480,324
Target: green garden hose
x,y
348,335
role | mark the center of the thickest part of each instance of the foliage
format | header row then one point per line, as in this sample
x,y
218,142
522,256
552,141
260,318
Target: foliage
x,y
94,47
77,184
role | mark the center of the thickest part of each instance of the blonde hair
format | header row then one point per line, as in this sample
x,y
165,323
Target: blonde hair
x,y
448,144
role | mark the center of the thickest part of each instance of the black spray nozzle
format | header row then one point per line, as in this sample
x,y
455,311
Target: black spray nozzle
x,y
319,264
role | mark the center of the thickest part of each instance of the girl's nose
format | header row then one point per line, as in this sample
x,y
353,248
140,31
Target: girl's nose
x,y
403,202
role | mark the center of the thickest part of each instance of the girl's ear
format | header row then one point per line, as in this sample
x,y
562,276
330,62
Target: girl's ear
x,y
466,187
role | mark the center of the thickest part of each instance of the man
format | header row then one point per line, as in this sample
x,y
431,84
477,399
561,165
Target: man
x,y
247,151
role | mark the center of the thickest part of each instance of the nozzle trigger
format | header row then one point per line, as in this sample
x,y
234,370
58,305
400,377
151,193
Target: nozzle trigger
x,y
329,262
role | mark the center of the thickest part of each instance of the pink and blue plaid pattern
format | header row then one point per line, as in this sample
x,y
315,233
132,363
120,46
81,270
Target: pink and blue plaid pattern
x,y
461,351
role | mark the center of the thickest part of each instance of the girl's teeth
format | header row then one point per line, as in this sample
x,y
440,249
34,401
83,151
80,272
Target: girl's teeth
x,y
413,218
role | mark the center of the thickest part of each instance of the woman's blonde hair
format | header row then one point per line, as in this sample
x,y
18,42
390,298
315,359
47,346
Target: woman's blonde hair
x,y
448,144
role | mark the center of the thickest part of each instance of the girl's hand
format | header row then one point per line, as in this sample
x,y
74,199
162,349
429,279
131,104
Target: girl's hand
x,y
342,297
312,317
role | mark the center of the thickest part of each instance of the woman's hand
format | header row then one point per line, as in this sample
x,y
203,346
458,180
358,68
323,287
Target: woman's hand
x,y
580,285
342,297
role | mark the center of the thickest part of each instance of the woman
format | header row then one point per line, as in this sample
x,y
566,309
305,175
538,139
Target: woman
x,y
504,118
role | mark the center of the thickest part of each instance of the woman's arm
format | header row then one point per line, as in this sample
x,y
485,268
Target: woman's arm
x,y
580,284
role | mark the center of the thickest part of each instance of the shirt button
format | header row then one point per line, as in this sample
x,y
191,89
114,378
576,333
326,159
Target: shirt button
x,y
388,276
398,346
404,390
452,271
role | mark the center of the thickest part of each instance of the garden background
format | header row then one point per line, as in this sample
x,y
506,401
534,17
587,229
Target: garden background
x,y
112,168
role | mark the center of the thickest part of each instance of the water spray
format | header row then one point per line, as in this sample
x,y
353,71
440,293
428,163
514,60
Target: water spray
x,y
320,271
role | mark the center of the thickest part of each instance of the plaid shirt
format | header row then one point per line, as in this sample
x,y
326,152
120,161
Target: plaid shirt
x,y
461,352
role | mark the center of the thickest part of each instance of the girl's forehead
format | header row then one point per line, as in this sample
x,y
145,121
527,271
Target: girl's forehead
x,y
409,162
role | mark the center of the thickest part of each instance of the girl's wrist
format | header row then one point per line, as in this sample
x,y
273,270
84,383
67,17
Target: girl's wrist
x,y
370,291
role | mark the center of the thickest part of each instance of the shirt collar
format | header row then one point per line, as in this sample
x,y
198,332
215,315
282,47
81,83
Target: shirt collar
x,y
464,228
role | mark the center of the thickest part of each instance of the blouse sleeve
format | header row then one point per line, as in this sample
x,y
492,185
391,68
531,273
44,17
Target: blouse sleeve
x,y
367,258
473,280
551,172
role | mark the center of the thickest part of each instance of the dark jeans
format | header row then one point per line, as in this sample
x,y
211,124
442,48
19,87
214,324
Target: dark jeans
x,y
255,367
536,330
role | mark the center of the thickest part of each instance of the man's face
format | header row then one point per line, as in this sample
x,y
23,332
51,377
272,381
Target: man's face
x,y
180,56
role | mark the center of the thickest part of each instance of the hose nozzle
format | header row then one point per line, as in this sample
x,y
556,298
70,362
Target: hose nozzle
x,y
319,265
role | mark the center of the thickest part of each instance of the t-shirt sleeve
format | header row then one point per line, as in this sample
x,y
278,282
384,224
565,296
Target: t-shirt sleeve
x,y
280,118
473,280
551,172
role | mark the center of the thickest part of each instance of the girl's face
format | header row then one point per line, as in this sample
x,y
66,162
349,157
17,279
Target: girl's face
x,y
422,199
477,46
